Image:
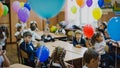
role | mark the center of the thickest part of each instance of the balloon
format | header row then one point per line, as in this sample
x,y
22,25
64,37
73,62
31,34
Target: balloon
x,y
53,29
27,5
5,10
47,8
97,13
88,30
42,53
100,3
22,4
73,9
23,14
1,9
80,2
16,6
113,28
89,3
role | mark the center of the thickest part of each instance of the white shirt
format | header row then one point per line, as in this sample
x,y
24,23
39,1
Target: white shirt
x,y
84,66
34,35
62,31
100,47
2,41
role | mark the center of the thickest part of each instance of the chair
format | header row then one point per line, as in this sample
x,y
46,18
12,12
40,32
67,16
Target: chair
x,y
23,55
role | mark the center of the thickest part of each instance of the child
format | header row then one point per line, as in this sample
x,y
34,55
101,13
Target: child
x,y
28,47
57,59
46,37
99,45
3,38
91,59
60,29
33,29
19,32
78,41
4,61
33,26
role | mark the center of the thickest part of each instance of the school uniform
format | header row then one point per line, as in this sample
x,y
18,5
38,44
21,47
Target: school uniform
x,y
60,31
3,41
47,38
81,42
35,36
30,50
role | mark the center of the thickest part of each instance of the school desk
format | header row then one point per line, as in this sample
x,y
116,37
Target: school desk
x,y
68,47
73,55
17,65
56,36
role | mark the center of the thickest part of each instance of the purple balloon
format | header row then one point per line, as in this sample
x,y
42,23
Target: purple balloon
x,y
23,14
16,6
89,3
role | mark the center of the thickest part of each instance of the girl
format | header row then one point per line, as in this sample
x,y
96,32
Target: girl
x,y
60,29
91,59
33,26
4,61
99,45
57,59
3,38
33,29
78,41
19,32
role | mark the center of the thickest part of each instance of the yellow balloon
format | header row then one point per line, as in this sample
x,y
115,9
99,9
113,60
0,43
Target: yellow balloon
x,y
97,13
22,4
53,29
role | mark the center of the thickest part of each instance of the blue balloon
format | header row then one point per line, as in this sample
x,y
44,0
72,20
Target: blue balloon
x,y
27,5
100,3
47,8
114,28
42,53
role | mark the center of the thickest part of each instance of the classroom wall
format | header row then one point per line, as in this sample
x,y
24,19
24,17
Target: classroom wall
x,y
33,16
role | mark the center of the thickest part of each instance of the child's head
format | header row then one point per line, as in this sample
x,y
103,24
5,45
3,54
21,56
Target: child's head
x,y
91,58
97,37
78,34
27,36
102,26
59,55
59,26
19,27
33,25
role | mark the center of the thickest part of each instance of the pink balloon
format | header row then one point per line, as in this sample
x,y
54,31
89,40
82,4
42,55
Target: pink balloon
x,y
23,14
16,6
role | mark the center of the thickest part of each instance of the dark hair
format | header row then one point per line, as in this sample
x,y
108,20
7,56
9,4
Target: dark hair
x,y
27,33
5,29
105,26
96,35
61,25
58,56
90,54
32,24
19,27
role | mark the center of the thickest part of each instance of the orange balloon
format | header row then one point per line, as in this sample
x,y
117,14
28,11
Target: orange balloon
x,y
1,9
80,2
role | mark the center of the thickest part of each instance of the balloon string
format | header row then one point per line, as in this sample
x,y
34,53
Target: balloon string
x,y
40,52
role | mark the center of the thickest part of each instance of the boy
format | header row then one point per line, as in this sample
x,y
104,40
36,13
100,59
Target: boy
x,y
28,48
60,29
91,59
78,41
